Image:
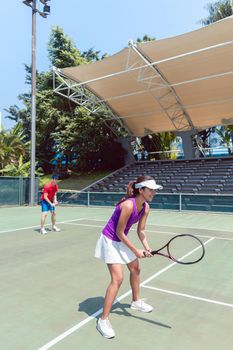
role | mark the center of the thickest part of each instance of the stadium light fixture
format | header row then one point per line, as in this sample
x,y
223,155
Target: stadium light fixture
x,y
44,2
42,14
46,8
28,2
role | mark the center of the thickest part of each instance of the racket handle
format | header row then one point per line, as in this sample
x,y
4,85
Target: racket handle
x,y
144,253
153,252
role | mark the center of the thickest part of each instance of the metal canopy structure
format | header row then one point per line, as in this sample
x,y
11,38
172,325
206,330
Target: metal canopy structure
x,y
176,84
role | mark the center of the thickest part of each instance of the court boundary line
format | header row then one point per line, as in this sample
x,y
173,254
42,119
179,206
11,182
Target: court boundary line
x,y
158,231
192,228
38,226
104,220
189,296
169,211
98,312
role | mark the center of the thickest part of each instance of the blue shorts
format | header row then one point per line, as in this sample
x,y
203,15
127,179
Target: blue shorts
x,y
45,206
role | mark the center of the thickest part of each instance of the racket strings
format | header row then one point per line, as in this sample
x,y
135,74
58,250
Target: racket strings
x,y
185,249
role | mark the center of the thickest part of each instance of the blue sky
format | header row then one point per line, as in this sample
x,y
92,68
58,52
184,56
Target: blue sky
x,y
106,25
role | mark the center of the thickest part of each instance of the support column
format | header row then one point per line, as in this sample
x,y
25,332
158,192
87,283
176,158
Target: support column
x,y
187,143
125,143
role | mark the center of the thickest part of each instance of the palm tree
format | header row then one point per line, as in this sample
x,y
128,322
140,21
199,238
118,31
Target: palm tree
x,y
226,137
12,146
19,169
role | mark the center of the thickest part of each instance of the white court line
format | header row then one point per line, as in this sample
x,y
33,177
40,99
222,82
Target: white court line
x,y
90,318
80,324
180,227
189,296
156,231
37,226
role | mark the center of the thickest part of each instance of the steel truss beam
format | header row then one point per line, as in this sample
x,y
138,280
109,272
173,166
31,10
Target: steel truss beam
x,y
84,97
165,94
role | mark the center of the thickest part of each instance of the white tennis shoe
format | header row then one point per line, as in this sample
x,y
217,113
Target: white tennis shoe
x,y
105,328
140,305
43,231
56,229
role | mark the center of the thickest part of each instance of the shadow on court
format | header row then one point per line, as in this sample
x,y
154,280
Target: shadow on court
x,y
92,305
37,230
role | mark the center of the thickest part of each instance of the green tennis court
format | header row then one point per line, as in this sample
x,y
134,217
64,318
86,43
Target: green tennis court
x,y
52,287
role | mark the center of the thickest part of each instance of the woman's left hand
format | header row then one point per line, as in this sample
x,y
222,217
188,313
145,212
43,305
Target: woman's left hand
x,y
147,253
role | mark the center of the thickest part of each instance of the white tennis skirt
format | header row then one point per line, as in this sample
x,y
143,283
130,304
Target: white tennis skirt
x,y
112,252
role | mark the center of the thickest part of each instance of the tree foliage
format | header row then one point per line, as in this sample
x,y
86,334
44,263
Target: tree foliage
x,y
19,168
92,56
226,137
62,51
217,11
12,145
61,126
88,137
159,143
145,38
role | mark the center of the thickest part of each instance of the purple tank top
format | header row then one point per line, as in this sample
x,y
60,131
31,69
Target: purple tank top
x,y
110,229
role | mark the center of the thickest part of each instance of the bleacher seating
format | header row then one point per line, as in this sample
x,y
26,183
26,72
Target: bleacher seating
x,y
207,176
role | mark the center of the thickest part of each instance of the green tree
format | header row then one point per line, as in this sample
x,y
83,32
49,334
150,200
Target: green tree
x,y
226,137
50,107
145,38
62,51
217,10
19,168
46,121
88,137
161,142
13,144
92,56
62,126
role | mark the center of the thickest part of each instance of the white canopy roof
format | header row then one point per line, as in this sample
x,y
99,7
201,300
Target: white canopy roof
x,y
175,84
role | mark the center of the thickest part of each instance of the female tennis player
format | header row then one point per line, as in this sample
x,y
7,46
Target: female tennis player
x,y
116,250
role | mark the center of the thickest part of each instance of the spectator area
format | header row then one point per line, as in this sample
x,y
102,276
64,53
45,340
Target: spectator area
x,y
207,176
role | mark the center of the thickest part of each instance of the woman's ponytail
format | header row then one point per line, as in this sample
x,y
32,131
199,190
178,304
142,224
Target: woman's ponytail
x,y
131,191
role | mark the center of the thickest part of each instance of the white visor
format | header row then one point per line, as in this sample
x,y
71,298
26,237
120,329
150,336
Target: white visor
x,y
149,184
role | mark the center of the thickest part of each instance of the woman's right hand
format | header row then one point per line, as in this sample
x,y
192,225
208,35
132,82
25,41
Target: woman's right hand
x,y
140,253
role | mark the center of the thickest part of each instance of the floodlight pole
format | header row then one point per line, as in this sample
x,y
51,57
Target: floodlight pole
x,y
32,4
33,108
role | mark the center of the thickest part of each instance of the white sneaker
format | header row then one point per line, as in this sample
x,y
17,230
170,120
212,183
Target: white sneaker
x,y
43,231
56,229
140,305
105,328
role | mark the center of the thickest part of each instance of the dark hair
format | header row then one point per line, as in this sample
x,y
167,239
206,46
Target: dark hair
x,y
54,176
131,191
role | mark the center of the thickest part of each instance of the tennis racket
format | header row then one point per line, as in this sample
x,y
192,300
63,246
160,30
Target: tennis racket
x,y
184,249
